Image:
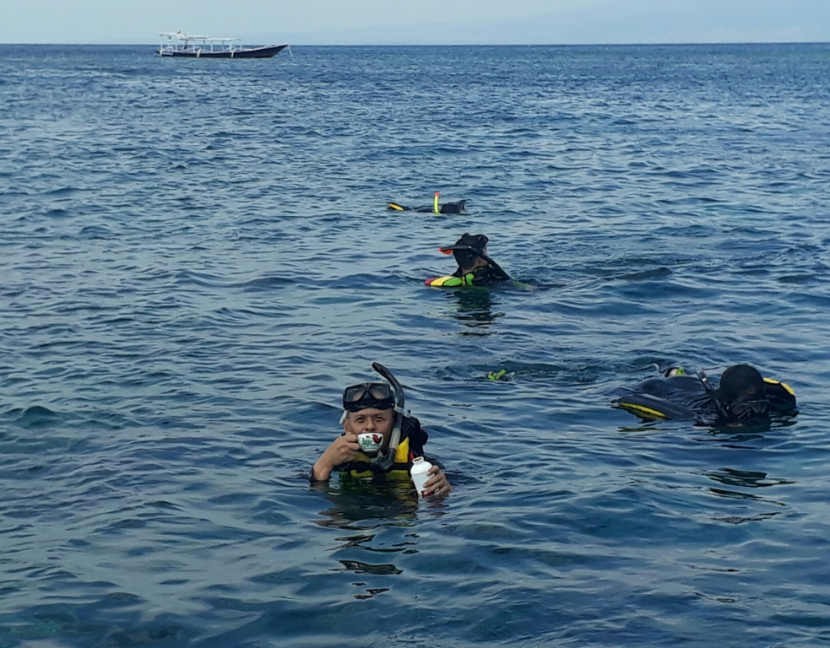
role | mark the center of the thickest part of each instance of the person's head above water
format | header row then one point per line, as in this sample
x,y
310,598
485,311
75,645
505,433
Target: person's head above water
x,y
375,407
470,259
742,394
369,407
741,382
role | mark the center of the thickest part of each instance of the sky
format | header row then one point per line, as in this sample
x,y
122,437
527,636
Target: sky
x,y
426,22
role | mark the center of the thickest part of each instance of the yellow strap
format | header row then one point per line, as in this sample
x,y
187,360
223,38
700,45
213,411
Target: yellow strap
x,y
392,474
402,453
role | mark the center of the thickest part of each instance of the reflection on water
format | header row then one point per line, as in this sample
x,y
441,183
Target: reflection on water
x,y
742,519
368,505
475,310
364,541
381,515
359,567
745,479
371,592
365,568
748,478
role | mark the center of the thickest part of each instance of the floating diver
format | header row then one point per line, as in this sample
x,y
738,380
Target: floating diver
x,y
742,397
447,208
475,267
379,439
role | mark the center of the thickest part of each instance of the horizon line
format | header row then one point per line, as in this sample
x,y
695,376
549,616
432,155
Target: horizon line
x,y
587,44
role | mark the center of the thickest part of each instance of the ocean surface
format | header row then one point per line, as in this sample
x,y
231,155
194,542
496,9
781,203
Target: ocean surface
x,y
197,258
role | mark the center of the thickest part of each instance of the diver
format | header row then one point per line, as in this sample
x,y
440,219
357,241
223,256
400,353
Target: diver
x,y
742,397
475,267
436,208
379,440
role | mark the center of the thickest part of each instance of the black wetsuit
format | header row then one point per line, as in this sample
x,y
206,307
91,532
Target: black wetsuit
x,y
455,207
685,398
488,275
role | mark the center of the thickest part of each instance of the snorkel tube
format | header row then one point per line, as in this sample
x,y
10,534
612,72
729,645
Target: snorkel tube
x,y
469,248
400,402
704,380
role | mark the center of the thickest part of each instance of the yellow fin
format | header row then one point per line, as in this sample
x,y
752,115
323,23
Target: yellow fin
x,y
642,411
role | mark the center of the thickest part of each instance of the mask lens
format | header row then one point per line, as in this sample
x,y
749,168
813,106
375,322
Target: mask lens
x,y
380,391
354,393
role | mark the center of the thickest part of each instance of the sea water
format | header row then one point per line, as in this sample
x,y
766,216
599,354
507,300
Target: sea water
x,y
197,257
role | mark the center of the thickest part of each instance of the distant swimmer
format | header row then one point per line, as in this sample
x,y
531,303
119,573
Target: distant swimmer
x,y
742,397
436,208
475,267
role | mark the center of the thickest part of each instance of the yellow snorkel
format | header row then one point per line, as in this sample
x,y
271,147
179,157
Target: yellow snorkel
x,y
435,207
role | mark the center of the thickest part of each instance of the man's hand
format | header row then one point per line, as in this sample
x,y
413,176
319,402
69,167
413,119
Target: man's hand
x,y
342,450
437,484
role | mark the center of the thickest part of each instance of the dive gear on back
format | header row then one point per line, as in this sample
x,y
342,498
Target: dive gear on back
x,y
741,395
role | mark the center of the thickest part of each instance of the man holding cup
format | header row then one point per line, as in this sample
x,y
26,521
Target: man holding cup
x,y
378,438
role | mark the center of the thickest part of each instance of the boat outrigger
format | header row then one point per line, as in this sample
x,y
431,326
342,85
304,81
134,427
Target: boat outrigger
x,y
180,44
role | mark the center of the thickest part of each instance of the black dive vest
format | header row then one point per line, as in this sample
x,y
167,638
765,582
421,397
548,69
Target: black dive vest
x,y
685,398
481,276
411,445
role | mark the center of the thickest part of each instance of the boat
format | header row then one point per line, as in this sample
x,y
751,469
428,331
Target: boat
x,y
181,45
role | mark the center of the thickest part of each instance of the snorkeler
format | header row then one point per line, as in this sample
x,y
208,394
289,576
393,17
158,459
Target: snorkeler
x,y
743,397
379,440
436,208
475,267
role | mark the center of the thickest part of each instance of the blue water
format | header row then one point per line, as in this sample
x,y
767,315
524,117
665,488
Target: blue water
x,y
196,258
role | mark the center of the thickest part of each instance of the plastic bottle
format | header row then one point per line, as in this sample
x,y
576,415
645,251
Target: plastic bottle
x,y
420,467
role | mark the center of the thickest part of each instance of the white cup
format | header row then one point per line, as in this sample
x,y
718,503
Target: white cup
x,y
370,442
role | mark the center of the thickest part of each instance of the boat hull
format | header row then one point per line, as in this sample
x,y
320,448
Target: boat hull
x,y
252,52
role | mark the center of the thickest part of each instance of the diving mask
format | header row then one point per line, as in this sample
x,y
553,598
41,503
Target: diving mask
x,y
743,410
377,395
